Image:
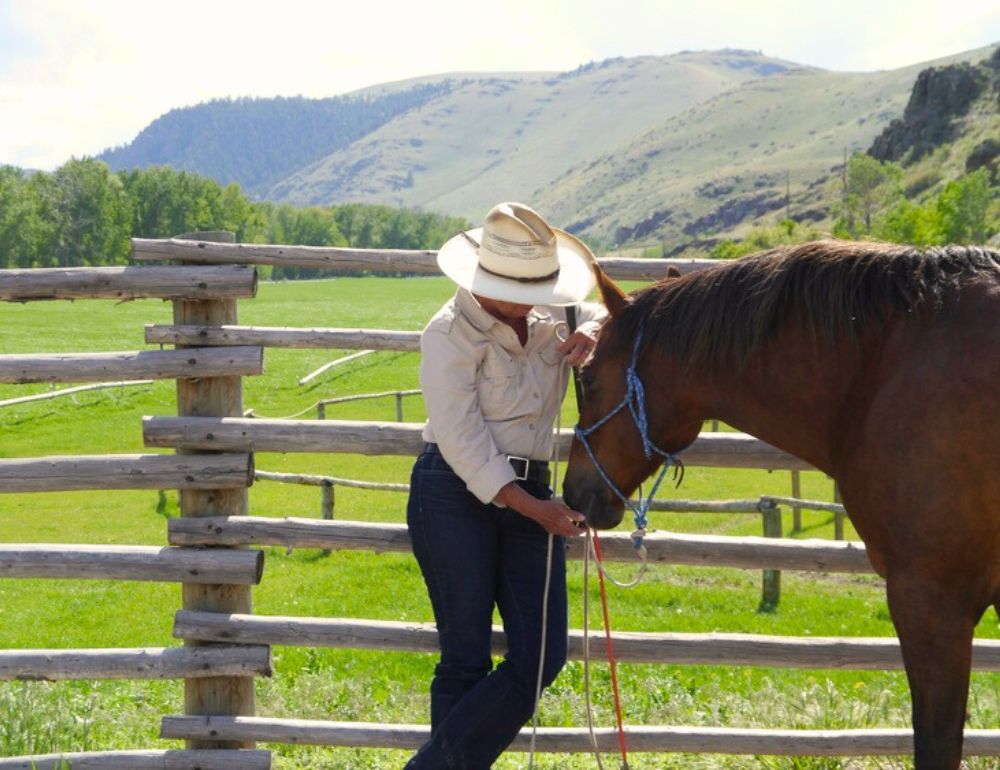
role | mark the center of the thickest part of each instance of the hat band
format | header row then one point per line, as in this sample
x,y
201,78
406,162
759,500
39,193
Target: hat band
x,y
530,279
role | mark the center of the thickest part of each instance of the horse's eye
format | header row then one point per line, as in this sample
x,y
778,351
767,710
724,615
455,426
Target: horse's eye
x,y
587,380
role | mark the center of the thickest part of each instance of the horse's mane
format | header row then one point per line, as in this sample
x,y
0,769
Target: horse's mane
x,y
719,316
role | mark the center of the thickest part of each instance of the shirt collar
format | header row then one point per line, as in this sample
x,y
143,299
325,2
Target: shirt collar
x,y
482,320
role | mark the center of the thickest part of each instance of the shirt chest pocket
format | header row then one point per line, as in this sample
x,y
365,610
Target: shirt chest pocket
x,y
497,381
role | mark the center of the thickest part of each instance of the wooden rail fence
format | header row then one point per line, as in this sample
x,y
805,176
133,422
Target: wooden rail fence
x,y
211,545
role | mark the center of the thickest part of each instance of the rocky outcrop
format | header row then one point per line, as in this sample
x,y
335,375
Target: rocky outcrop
x,y
985,155
940,95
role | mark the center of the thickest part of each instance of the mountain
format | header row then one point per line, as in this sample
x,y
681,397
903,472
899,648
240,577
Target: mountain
x,y
760,151
674,150
258,142
505,136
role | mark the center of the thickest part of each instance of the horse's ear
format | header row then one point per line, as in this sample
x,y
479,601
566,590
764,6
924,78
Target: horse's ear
x,y
673,272
615,300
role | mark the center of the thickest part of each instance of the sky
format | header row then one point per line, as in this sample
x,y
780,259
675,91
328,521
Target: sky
x,y
80,76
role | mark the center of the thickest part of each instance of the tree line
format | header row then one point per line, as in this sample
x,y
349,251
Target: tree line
x,y
84,214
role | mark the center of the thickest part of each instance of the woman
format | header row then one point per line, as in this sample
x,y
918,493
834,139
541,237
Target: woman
x,y
495,368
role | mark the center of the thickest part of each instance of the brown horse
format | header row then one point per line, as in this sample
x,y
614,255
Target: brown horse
x,y
877,364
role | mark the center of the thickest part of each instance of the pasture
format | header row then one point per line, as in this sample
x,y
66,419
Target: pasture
x,y
347,685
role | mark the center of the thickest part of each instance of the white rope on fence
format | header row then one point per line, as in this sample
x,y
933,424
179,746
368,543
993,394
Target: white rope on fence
x,y
331,364
70,391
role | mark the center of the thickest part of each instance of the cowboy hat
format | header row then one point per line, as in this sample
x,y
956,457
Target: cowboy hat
x,y
516,257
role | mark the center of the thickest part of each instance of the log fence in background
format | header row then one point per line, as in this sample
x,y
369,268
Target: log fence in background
x,y
399,395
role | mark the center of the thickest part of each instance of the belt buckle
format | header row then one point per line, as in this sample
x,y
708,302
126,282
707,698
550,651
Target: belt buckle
x,y
527,463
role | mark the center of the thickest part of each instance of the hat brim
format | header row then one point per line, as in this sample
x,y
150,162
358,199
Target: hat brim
x,y
459,261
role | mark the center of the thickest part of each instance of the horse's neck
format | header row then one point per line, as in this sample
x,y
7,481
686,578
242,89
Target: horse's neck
x,y
789,397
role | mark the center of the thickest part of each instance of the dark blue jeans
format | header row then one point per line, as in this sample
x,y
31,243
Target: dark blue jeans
x,y
474,557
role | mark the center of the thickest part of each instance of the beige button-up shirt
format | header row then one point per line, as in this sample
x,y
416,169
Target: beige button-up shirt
x,y
488,397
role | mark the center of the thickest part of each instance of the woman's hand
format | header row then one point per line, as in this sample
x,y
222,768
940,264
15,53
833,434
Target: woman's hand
x,y
577,347
551,516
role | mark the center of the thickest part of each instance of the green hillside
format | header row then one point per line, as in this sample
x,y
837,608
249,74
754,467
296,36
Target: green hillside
x,y
257,142
727,164
505,137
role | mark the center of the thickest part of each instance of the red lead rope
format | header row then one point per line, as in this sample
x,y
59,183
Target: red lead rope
x,y
611,655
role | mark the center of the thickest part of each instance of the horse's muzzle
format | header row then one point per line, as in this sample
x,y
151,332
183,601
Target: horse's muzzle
x,y
590,496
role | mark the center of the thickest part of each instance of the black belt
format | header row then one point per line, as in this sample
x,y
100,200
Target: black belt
x,y
525,469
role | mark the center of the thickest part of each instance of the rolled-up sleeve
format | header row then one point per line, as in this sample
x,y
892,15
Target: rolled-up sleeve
x,y
448,379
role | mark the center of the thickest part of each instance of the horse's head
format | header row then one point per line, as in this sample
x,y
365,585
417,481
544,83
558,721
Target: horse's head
x,y
616,446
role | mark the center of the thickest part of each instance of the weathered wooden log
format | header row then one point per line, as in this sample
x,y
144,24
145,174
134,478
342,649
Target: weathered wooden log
x,y
279,337
686,740
719,450
661,547
711,649
67,473
375,260
138,663
160,759
142,364
125,283
131,562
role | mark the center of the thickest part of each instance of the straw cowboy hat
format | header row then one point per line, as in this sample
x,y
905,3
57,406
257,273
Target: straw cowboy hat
x,y
516,257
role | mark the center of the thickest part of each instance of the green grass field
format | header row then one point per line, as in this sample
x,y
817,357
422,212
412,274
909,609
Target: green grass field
x,y
346,685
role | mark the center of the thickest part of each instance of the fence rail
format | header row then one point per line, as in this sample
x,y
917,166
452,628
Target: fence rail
x,y
134,365
687,740
688,649
281,337
72,473
127,283
718,450
374,260
661,547
169,759
235,659
131,562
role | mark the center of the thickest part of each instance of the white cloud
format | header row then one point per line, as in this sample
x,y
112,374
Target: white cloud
x,y
76,78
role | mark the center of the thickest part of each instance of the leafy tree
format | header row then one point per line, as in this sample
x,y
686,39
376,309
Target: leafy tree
x,y
962,207
19,221
870,186
88,215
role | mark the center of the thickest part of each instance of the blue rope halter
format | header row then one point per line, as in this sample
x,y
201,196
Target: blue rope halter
x,y
635,400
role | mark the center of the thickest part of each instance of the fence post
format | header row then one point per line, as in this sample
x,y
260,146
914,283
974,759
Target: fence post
x,y
838,518
771,583
399,406
320,411
328,499
215,397
797,494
